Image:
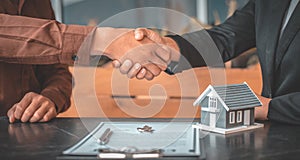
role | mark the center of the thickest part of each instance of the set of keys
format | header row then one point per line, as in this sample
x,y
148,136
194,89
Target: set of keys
x,y
146,128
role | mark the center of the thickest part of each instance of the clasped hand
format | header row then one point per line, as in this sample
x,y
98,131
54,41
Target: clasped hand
x,y
142,53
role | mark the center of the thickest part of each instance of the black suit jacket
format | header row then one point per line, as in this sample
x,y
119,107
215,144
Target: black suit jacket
x,y
258,25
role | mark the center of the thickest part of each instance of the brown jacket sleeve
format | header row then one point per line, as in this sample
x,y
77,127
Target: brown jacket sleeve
x,y
56,84
38,41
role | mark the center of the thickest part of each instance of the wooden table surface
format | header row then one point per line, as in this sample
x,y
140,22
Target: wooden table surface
x,y
163,97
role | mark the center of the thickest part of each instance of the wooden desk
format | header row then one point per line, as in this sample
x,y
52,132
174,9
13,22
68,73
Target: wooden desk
x,y
21,141
108,87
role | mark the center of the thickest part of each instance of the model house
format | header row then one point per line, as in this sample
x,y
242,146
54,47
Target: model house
x,y
227,108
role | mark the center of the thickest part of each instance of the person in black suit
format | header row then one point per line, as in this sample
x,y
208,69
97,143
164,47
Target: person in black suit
x,y
273,27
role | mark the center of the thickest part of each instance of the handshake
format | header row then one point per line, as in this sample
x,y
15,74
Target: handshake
x,y
140,53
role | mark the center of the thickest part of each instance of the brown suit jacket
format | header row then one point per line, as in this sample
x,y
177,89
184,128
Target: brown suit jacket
x,y
52,81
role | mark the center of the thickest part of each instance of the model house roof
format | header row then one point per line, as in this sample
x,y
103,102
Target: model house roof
x,y
233,97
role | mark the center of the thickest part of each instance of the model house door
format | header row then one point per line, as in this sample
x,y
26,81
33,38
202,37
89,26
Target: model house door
x,y
212,120
247,117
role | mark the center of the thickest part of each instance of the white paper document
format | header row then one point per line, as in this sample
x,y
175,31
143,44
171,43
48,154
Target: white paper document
x,y
173,139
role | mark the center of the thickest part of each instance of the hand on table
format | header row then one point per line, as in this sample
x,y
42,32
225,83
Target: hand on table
x,y
261,112
32,108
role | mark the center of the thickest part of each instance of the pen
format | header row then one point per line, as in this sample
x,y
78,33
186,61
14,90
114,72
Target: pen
x,y
105,137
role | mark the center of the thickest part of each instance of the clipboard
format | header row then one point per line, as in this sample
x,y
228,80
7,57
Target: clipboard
x,y
127,141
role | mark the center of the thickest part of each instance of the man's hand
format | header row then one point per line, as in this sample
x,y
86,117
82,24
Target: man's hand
x,y
166,43
32,108
261,112
120,44
166,49
145,61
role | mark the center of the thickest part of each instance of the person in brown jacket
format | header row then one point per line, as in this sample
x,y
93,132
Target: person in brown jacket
x,y
32,93
35,84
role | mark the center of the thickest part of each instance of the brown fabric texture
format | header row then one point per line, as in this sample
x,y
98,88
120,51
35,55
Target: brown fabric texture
x,y
29,28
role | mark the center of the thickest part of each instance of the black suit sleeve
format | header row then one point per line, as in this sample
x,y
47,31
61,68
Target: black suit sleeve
x,y
230,39
285,108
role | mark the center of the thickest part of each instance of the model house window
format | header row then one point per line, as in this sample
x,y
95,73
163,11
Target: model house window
x,y
231,117
212,102
239,116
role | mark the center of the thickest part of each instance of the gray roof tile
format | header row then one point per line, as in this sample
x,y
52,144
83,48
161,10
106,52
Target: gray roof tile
x,y
237,96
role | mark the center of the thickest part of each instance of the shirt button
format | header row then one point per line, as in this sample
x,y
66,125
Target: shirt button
x,y
74,57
